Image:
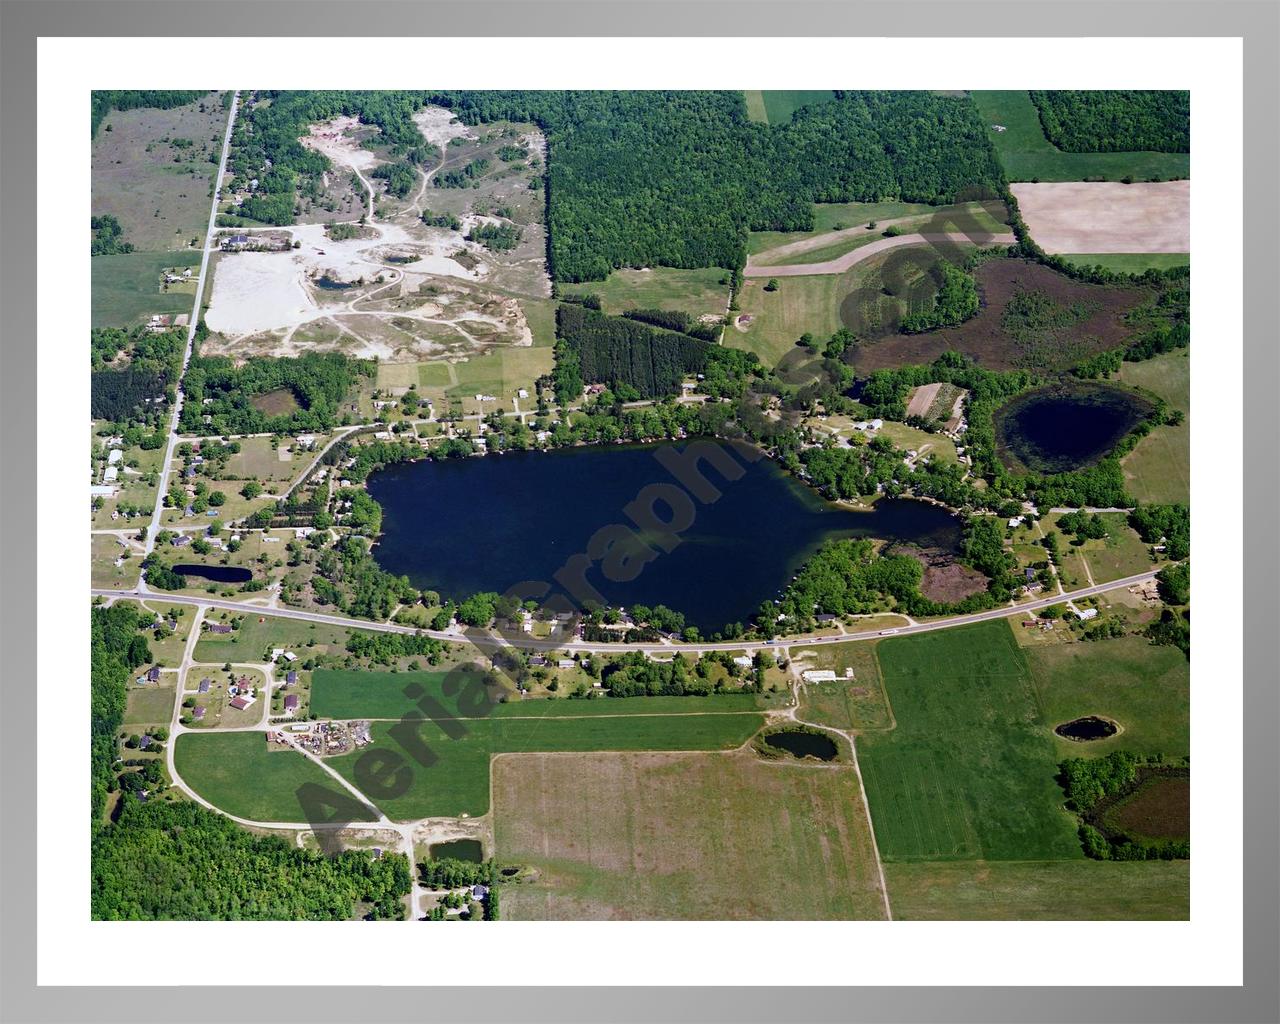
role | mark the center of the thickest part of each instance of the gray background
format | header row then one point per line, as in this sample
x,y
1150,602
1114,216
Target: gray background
x,y
22,22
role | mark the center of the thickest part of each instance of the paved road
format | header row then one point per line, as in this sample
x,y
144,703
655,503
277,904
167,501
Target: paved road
x,y
659,648
849,259
154,528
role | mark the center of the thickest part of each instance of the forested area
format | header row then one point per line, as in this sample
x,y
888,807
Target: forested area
x,y
1116,120
178,861
644,178
116,648
107,237
104,101
1090,783
151,364
635,360
317,381
956,302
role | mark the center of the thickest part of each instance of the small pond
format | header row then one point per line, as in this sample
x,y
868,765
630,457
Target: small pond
x,y
330,284
803,744
459,849
1091,727
1066,427
216,573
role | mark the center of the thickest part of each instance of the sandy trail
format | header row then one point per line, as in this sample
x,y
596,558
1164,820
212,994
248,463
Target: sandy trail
x,y
850,259
1107,216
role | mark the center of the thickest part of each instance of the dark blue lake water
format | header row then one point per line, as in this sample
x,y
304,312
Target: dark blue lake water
x,y
1062,428
470,525
216,573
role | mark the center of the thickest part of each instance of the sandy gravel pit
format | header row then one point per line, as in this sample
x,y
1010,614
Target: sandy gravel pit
x,y
1107,216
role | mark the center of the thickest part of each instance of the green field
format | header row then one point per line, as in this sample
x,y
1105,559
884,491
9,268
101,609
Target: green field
x,y
254,639
851,704
775,106
126,289
458,781
236,772
1040,890
149,705
1159,467
1131,262
1028,156
696,292
1146,689
343,693
835,217
968,773
683,837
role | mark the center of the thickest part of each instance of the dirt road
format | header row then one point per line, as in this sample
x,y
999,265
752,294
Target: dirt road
x,y
850,259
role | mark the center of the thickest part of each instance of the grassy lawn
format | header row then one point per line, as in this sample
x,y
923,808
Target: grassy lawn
x,y
1131,262
1145,689
1040,890
1159,468
695,292
936,446
259,633
675,836
126,289
458,781
755,105
105,573
968,773
800,305
149,705
858,703
1028,156
500,373
344,693
1121,553
239,774
836,216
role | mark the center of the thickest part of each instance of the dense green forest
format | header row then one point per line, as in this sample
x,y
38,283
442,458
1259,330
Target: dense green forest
x,y
635,360
646,178
1116,121
106,100
317,381
107,237
131,365
956,302
178,861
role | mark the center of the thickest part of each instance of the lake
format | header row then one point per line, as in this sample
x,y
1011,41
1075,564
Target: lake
x,y
1065,427
479,524
216,573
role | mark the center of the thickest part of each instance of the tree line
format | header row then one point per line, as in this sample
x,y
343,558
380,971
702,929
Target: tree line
x,y
1116,120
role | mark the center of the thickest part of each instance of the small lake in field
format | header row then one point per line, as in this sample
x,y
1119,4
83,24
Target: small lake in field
x,y
1091,727
458,849
469,525
216,573
1065,427
803,744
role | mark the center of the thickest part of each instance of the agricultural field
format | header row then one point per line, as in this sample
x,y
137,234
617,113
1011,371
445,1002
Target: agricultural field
x,y
1130,262
1143,688
775,106
345,693
240,774
855,704
1107,216
457,783
1040,890
1095,314
968,773
1028,156
1159,467
152,170
632,836
127,288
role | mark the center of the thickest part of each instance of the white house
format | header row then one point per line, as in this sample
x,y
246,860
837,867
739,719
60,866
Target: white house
x,y
1086,613
742,661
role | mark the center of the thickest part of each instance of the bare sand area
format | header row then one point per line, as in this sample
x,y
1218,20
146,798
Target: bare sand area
x,y
1107,216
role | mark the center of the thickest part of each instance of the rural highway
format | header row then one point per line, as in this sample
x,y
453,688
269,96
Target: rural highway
x,y
849,259
156,515
659,648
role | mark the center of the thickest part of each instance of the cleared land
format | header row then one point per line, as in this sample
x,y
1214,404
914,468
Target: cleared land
x,y
151,170
1107,216
840,264
968,773
683,836
1040,891
126,289
1092,321
701,292
1028,156
850,704
775,106
457,782
344,693
1145,689
238,773
1159,467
